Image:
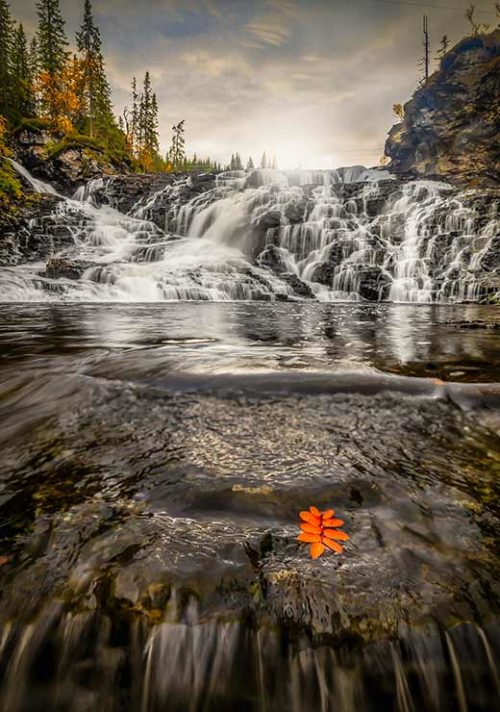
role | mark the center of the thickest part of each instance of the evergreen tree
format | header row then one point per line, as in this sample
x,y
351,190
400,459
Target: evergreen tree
x,y
142,126
135,111
52,57
95,89
22,78
238,165
250,164
34,57
6,45
51,36
274,165
444,43
232,162
153,141
263,160
176,154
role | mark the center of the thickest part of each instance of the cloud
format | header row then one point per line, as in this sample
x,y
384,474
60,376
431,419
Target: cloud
x,y
312,80
273,26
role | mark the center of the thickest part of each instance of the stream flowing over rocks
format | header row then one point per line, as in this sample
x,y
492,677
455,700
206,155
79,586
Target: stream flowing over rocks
x,y
351,234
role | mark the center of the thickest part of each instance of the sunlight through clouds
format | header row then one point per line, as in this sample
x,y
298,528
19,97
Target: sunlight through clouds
x,y
310,80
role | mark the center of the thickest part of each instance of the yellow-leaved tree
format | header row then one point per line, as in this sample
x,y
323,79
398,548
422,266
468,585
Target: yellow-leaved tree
x,y
60,95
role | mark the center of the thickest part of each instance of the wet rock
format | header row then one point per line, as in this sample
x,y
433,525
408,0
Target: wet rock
x,y
22,239
267,220
273,258
491,259
374,284
300,288
153,196
294,211
61,267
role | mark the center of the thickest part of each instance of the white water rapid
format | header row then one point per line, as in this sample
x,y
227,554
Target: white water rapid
x,y
351,234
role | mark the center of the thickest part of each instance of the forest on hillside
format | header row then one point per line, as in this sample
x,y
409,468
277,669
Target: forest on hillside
x,y
47,82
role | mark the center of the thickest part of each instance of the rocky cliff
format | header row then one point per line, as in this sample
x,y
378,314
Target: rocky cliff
x,y
67,162
451,125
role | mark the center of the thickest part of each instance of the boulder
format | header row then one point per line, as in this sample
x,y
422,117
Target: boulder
x,y
300,288
374,283
273,258
66,268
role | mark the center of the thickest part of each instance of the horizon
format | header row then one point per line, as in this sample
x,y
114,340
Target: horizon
x,y
281,76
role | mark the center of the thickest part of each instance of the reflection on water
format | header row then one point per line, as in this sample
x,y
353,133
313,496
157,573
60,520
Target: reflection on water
x,y
451,343
148,553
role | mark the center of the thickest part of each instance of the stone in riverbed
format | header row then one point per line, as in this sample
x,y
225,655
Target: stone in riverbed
x,y
58,267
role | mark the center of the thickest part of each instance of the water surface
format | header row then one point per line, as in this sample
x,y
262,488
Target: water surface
x,y
154,460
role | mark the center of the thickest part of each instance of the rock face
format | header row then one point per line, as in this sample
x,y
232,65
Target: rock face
x,y
157,191
28,234
450,126
65,164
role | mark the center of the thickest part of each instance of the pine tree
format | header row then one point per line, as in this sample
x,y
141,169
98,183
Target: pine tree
x,y
6,45
22,78
51,36
34,57
274,165
53,56
263,160
176,154
238,165
145,125
250,164
154,143
95,89
444,43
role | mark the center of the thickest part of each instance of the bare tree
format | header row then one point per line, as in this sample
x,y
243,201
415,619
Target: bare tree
x,y
469,15
423,62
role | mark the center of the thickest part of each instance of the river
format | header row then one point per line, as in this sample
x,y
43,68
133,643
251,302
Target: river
x,y
154,461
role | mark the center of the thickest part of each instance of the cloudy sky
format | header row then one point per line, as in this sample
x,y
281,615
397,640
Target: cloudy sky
x,y
312,81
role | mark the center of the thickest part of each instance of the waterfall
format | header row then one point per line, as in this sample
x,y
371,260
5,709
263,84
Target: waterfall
x,y
350,234
38,185
195,664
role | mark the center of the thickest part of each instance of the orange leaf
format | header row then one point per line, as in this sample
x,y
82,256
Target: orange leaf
x,y
333,546
335,534
315,511
308,517
309,538
328,514
316,550
312,528
332,522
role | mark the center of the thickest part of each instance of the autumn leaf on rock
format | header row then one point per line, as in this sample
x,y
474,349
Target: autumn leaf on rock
x,y
321,531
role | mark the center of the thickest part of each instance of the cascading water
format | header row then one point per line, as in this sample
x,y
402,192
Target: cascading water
x,y
350,234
